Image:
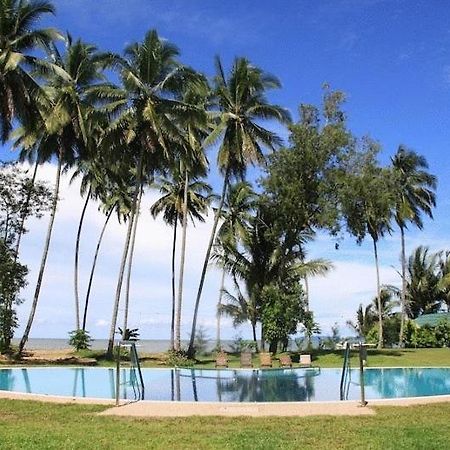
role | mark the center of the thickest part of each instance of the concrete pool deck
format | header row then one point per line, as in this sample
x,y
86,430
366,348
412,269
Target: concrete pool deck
x,y
148,408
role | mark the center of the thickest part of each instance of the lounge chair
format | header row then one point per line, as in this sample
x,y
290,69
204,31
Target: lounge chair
x,y
222,360
246,359
265,359
305,360
285,361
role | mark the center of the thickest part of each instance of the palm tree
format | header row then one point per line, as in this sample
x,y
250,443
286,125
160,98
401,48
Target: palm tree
x,y
423,286
63,109
240,201
151,76
171,205
365,319
19,38
240,104
115,199
414,190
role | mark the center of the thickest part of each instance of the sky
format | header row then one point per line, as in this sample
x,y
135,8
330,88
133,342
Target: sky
x,y
391,58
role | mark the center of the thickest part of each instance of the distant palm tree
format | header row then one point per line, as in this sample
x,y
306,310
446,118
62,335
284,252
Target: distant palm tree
x,y
19,39
171,205
240,104
414,190
365,319
423,287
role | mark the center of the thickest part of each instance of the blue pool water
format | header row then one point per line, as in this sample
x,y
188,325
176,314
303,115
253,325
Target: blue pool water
x,y
228,385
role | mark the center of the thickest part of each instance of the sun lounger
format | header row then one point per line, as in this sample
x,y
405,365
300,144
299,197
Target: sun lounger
x,y
246,359
305,360
265,359
285,361
221,359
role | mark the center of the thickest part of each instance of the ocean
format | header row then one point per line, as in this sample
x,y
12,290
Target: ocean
x,y
145,345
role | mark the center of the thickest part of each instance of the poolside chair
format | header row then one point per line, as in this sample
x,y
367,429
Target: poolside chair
x,y
265,359
222,360
305,360
246,359
285,361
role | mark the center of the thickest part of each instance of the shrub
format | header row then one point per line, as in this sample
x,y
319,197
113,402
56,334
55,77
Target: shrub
x,y
178,359
79,340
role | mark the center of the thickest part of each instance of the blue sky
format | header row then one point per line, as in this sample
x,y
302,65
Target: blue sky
x,y
392,58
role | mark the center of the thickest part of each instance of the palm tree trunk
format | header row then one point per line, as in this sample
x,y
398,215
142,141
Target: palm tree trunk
x,y
307,292
182,261
191,349
174,248
109,351
219,304
380,312
25,208
130,265
94,263
77,254
37,291
403,292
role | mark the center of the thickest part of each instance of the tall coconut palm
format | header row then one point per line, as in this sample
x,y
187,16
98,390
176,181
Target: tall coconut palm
x,y
116,198
414,191
61,133
171,206
19,39
241,104
236,214
151,77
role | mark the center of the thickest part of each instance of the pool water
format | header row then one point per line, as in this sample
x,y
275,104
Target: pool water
x,y
208,385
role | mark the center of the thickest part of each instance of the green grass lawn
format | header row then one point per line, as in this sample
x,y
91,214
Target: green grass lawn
x,y
35,425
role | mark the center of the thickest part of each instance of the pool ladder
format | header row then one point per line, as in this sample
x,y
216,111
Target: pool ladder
x,y
136,378
345,375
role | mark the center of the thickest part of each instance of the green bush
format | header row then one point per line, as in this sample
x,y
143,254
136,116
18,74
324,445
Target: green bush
x,y
80,340
178,359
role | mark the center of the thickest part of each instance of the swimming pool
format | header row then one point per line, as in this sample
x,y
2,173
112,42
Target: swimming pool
x,y
208,385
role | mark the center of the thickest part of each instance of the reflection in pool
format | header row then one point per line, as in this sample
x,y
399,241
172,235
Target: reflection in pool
x,y
207,385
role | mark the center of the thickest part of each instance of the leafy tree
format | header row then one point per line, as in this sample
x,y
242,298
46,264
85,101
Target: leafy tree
x,y
240,104
414,191
12,280
19,40
20,198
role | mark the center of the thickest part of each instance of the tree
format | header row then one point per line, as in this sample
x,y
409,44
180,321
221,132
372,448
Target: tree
x,y
236,215
20,198
423,287
171,205
365,319
414,191
66,102
367,205
240,104
12,280
19,39
152,77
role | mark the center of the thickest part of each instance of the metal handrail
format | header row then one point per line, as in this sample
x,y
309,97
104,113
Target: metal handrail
x,y
345,370
135,366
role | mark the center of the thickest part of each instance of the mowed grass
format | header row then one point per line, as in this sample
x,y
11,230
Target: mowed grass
x,y
35,425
